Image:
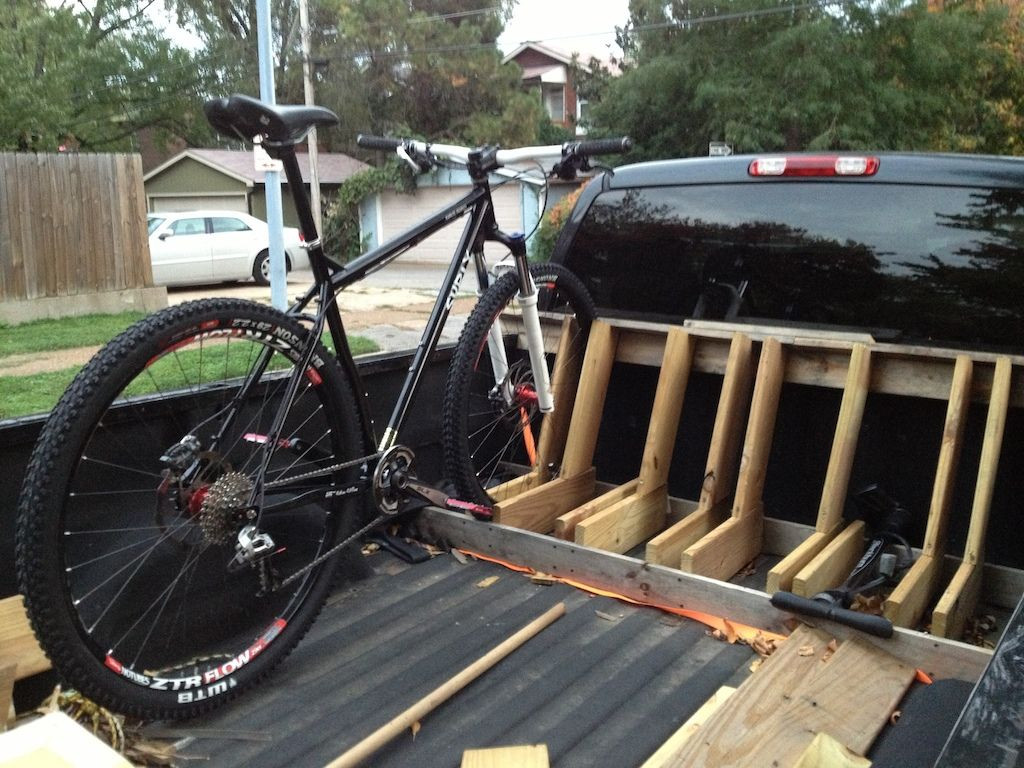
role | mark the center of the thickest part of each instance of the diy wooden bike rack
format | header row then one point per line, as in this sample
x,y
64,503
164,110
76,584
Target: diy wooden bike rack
x,y
722,530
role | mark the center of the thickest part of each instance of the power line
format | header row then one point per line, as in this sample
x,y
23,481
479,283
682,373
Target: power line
x,y
699,20
456,15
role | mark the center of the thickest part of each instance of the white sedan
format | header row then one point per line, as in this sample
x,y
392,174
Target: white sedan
x,y
195,247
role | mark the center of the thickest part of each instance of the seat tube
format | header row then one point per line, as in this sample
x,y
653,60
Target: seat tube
x,y
531,321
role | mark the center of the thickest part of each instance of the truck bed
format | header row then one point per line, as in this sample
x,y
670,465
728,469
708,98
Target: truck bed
x,y
605,685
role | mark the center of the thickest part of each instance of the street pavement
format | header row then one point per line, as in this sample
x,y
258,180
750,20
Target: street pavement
x,y
390,307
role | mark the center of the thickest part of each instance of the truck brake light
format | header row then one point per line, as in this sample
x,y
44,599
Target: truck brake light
x,y
819,165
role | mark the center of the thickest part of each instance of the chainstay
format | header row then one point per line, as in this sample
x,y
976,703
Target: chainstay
x,y
323,471
334,550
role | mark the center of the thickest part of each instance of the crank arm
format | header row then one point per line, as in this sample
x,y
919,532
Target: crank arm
x,y
439,498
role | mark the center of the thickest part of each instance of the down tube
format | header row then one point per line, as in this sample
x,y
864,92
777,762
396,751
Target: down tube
x,y
438,315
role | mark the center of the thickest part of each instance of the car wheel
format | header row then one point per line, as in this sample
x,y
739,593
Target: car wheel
x,y
261,267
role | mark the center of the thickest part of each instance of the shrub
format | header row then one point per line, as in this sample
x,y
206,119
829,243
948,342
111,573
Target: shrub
x,y
551,226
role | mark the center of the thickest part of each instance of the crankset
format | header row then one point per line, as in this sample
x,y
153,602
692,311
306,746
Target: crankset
x,y
397,489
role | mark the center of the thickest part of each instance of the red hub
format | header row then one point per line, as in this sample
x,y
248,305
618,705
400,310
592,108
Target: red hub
x,y
525,394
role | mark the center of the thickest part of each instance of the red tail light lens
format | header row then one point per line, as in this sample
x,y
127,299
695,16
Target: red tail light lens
x,y
820,165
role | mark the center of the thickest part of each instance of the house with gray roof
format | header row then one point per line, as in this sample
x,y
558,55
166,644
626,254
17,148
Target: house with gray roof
x,y
227,179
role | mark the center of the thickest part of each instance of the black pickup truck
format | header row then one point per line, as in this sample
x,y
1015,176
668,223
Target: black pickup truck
x,y
916,250
910,248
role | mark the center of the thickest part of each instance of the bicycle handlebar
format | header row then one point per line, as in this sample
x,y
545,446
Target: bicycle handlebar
x,y
571,155
591,147
378,142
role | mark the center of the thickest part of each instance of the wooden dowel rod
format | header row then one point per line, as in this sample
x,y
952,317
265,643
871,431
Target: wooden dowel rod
x,y
442,693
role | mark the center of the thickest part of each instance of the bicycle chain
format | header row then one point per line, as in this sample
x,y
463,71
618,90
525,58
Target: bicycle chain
x,y
333,550
324,471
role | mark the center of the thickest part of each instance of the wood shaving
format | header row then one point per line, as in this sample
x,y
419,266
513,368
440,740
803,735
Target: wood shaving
x,y
756,664
370,548
747,570
806,650
607,616
763,646
459,556
832,647
977,628
718,635
415,728
483,584
895,716
122,734
544,579
872,604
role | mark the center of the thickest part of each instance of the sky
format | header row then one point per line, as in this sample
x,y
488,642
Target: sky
x,y
584,26
569,26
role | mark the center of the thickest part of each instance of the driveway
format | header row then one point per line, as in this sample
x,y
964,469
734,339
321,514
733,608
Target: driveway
x,y
390,307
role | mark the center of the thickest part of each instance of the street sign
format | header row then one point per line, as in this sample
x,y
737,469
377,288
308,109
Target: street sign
x,y
719,149
263,161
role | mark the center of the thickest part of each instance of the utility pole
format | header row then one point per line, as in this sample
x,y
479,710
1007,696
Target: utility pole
x,y
272,179
307,81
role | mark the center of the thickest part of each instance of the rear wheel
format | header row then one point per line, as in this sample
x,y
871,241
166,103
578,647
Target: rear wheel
x,y
140,485
492,421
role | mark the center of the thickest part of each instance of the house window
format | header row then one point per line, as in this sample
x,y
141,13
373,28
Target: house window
x,y
582,115
554,102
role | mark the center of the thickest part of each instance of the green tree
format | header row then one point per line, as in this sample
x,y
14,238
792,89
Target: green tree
x,y
423,67
887,75
91,76
428,68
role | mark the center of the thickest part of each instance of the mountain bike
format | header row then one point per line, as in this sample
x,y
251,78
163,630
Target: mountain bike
x,y
189,496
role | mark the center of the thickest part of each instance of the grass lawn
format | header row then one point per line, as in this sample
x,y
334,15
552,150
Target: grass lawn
x,y
63,333
39,392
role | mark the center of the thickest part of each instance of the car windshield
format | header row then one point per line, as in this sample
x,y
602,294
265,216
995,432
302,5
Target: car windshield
x,y
153,222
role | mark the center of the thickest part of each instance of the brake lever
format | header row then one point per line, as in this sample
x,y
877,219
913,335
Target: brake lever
x,y
418,164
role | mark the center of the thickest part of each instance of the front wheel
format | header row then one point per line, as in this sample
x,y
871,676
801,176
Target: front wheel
x,y
134,503
491,420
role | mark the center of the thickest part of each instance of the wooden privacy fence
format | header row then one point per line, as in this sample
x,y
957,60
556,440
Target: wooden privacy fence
x,y
71,224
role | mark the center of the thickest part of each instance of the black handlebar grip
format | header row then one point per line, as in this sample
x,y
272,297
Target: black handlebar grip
x,y
879,626
593,147
378,142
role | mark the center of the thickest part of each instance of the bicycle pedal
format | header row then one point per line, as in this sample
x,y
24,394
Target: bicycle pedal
x,y
479,511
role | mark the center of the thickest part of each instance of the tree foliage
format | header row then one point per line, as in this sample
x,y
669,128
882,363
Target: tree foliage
x,y
885,75
91,76
426,67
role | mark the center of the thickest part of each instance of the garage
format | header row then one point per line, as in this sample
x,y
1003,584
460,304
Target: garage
x,y
227,179
175,203
399,212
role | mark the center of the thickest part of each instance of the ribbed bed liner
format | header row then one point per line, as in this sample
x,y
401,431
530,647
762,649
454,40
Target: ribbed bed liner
x,y
604,685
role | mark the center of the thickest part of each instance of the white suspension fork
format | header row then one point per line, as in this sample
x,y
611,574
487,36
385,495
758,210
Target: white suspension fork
x,y
535,345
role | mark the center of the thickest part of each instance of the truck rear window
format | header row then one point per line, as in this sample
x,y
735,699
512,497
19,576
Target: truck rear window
x,y
931,264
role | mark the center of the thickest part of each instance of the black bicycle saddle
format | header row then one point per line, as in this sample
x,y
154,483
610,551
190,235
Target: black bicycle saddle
x,y
243,117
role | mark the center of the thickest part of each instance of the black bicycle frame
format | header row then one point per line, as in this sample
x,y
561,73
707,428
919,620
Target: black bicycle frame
x,y
329,279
